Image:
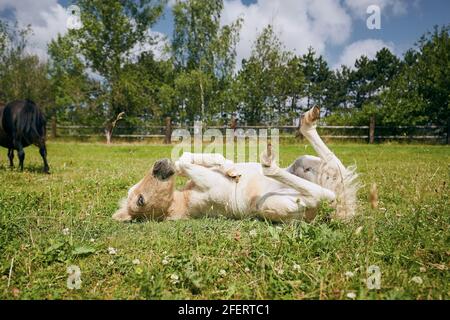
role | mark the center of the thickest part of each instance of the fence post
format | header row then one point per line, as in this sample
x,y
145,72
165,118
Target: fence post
x,y
53,132
233,122
168,132
372,129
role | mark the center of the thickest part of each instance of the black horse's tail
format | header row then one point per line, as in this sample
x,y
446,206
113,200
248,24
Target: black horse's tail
x,y
31,122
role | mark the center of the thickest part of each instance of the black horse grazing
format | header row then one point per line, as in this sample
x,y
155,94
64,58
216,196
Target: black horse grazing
x,y
22,124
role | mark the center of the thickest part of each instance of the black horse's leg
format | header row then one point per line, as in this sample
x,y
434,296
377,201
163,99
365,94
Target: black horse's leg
x,y
11,157
21,155
43,152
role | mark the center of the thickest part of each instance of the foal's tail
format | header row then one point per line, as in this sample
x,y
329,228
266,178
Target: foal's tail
x,y
345,184
346,194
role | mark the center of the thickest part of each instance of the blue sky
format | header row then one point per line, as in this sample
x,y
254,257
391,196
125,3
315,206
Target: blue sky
x,y
335,28
403,30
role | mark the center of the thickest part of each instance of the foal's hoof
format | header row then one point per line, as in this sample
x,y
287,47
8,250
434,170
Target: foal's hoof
x,y
233,174
267,157
163,169
310,116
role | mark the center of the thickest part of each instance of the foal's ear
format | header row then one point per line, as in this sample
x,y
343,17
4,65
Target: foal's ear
x,y
122,214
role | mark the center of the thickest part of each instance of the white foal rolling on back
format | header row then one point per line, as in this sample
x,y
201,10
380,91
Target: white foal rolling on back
x,y
219,186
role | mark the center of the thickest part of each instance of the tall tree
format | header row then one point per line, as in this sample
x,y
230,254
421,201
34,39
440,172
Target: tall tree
x,y
204,55
420,94
22,74
361,82
371,77
294,87
317,74
433,74
70,83
196,25
262,80
402,102
110,33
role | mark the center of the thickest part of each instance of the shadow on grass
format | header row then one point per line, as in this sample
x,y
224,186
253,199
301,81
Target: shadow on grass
x,y
26,168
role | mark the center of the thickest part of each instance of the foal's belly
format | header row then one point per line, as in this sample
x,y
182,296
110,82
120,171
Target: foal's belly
x,y
252,195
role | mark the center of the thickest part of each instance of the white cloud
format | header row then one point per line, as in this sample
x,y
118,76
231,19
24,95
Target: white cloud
x,y
368,47
299,23
46,17
359,7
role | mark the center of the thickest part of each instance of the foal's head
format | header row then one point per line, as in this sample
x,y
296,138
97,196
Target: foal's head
x,y
150,197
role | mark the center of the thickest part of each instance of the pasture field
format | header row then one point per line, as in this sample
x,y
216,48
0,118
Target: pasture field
x,y
50,222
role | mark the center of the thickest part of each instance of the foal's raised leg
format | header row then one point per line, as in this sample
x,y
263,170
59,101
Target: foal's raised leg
x,y
204,178
311,193
214,161
308,129
332,173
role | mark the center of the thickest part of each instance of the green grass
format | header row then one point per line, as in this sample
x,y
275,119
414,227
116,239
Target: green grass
x,y
406,237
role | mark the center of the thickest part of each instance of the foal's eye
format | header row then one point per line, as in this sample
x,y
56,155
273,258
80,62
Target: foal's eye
x,y
140,201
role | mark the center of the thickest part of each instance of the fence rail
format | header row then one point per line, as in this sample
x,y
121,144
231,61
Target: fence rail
x,y
438,134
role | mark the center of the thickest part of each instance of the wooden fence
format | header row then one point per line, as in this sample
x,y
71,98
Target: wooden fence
x,y
370,134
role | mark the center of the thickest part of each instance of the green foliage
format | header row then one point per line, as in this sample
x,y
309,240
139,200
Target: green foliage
x,y
108,40
193,88
22,75
204,56
317,76
74,92
109,66
414,91
262,86
421,93
196,27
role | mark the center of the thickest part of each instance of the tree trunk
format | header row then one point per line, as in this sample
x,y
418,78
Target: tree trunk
x,y
108,132
308,102
233,122
448,131
372,130
202,100
110,125
108,135
294,105
168,132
